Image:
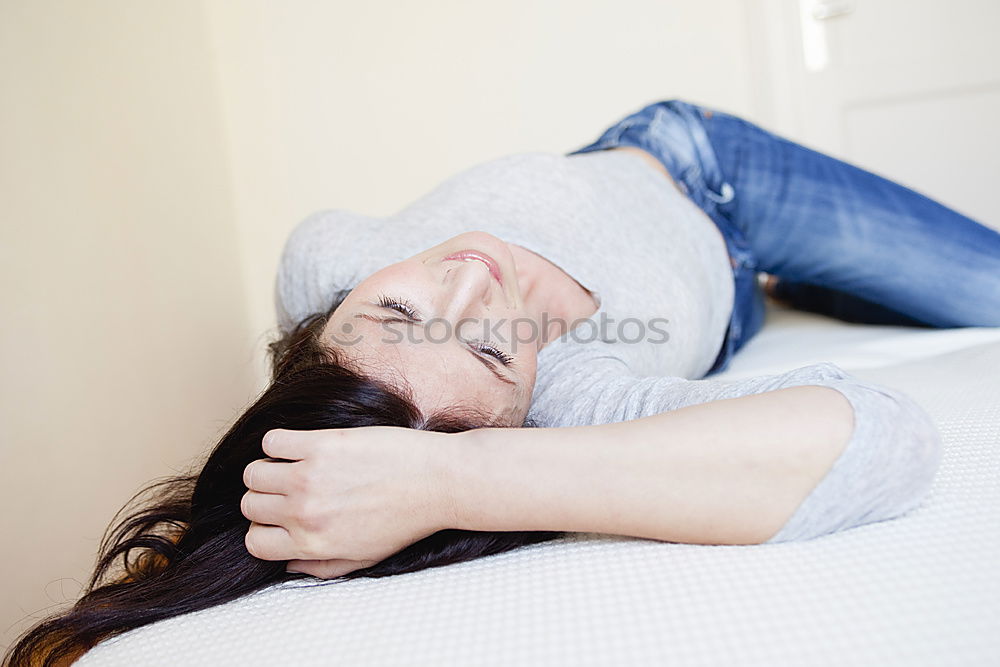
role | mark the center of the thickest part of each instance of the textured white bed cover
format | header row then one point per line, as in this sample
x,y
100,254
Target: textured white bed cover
x,y
923,589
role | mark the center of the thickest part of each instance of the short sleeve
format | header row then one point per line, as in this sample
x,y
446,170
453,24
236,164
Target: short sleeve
x,y
325,255
885,470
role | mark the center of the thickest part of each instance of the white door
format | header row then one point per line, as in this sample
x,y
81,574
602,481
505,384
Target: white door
x,y
909,89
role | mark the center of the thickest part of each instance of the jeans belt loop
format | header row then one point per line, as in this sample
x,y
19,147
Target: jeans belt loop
x,y
711,172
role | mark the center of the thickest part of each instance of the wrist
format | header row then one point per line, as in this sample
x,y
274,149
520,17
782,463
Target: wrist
x,y
506,479
451,465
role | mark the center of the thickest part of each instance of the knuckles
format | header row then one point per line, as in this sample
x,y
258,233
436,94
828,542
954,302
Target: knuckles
x,y
304,480
310,547
309,515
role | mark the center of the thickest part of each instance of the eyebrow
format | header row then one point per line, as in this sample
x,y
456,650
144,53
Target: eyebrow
x,y
398,318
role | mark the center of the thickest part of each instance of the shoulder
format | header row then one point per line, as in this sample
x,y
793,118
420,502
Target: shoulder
x,y
322,256
575,382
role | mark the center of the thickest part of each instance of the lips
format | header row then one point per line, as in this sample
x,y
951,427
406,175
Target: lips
x,y
490,263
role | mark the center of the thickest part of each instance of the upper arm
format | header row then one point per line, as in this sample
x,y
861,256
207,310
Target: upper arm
x,y
587,387
325,253
885,469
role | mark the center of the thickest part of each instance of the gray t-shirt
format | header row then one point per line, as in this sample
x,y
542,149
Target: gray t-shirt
x,y
659,269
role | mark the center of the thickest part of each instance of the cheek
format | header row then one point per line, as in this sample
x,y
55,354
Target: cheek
x,y
524,334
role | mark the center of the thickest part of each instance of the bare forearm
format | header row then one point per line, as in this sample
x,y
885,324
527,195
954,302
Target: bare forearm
x,y
726,472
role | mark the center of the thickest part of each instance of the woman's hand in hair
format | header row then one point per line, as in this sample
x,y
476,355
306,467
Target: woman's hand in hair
x,y
338,500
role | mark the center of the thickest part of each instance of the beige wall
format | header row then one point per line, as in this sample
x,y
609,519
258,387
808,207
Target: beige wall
x,y
156,154
367,105
125,346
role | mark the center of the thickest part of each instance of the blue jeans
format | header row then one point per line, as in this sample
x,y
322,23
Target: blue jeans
x,y
841,241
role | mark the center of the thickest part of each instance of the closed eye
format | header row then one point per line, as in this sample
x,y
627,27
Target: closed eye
x,y
406,308
400,305
477,350
502,356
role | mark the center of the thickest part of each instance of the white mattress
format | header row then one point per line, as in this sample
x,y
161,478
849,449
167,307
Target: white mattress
x,y
923,589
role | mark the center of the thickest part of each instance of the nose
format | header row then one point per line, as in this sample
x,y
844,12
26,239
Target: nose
x,y
468,289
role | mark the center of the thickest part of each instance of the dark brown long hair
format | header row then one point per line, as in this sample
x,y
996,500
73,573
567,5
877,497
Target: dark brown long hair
x,y
178,545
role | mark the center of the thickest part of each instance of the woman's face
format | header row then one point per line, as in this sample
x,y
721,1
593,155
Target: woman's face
x,y
455,330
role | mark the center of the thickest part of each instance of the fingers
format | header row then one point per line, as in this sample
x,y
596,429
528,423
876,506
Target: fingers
x,y
270,543
266,508
281,443
268,476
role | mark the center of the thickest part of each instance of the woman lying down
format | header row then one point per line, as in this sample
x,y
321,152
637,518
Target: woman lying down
x,y
524,352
